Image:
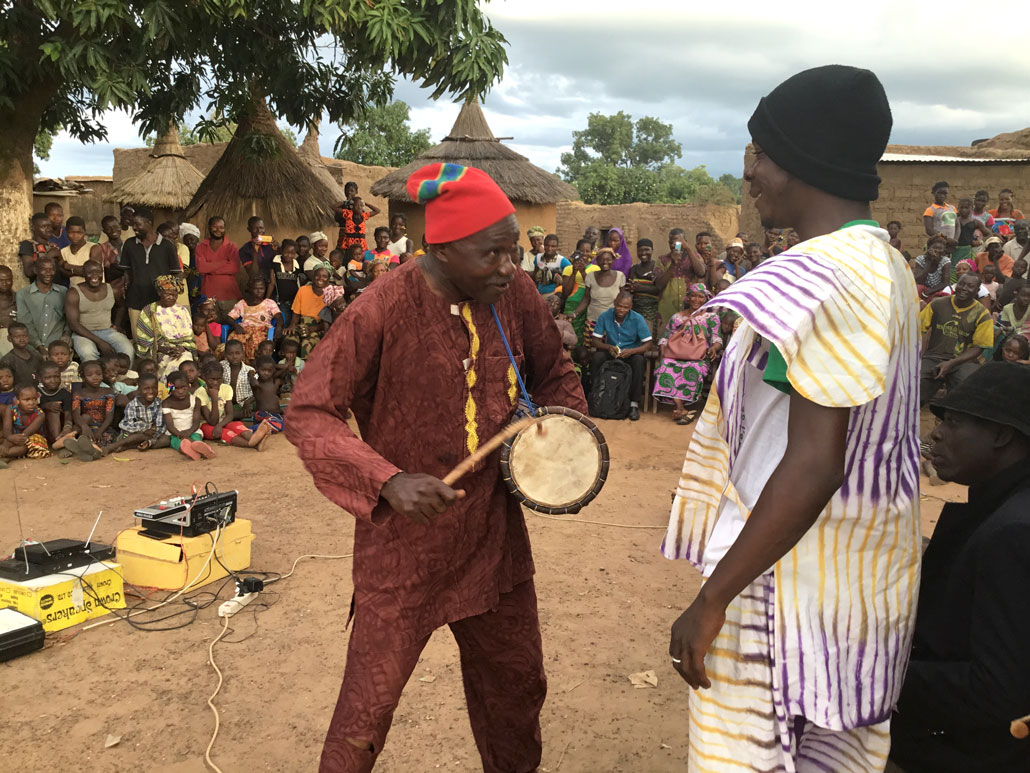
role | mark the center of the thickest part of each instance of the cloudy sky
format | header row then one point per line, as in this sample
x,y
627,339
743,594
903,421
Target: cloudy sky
x,y
704,69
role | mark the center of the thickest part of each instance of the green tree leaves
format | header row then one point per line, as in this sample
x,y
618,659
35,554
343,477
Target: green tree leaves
x,y
614,161
164,59
382,137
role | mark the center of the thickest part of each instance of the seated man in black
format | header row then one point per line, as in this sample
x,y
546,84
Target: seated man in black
x,y
621,333
969,676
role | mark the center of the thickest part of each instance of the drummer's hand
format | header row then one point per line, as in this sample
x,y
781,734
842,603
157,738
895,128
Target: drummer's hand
x,y
419,497
692,635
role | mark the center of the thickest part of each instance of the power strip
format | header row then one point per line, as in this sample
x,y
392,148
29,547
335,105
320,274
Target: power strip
x,y
235,604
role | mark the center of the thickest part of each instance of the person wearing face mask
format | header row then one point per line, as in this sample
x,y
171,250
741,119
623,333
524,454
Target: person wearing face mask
x,y
419,359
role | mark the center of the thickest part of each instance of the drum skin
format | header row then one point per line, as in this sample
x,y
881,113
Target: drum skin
x,y
560,470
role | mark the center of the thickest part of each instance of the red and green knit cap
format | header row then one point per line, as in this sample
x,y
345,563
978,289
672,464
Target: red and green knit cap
x,y
459,200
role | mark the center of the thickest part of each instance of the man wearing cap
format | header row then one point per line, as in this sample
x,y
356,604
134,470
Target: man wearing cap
x,y
419,360
733,264
798,499
968,677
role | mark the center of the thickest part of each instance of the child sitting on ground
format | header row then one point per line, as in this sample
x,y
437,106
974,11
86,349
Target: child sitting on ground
x,y
338,260
202,333
217,409
253,317
112,380
7,395
182,417
56,403
236,373
289,366
23,359
92,413
192,373
59,352
264,349
266,385
127,374
22,427
143,426
1016,349
147,365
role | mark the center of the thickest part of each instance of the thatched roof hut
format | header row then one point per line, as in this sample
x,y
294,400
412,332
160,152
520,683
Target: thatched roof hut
x,y
533,191
309,151
167,180
261,174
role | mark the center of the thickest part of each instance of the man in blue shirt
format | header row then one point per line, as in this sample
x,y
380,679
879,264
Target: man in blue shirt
x,y
622,334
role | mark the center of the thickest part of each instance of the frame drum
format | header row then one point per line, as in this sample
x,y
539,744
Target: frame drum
x,y
559,470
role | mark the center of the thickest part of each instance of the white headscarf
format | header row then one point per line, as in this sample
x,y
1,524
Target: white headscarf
x,y
188,229
318,236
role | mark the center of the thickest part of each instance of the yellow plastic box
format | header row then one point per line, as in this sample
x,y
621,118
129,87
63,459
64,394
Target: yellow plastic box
x,y
173,563
59,601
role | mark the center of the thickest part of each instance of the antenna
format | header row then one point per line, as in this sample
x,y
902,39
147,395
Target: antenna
x,y
90,537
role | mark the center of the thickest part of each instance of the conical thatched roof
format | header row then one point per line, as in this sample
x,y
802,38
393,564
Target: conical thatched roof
x,y
308,151
471,143
261,174
167,181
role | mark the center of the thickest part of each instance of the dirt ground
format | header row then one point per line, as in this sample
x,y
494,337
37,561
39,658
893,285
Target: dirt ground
x,y
607,599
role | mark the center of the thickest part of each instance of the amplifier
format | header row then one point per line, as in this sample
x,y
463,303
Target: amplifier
x,y
19,634
39,559
192,517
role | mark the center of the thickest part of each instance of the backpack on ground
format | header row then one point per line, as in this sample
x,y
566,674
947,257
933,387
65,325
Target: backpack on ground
x,y
609,390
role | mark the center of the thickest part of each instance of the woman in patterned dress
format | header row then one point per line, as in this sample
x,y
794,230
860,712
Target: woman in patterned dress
x,y
164,330
681,380
254,316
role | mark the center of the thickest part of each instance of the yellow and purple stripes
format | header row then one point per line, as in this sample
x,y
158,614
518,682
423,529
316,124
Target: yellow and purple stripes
x,y
841,309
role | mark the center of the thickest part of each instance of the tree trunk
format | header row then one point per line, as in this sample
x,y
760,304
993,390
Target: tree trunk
x,y
17,136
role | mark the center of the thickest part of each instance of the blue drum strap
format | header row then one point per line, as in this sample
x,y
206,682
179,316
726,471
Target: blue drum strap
x,y
511,358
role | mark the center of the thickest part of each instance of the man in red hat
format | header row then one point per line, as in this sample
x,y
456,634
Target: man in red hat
x,y
419,360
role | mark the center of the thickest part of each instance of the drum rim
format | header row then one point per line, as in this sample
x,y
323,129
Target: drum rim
x,y
599,480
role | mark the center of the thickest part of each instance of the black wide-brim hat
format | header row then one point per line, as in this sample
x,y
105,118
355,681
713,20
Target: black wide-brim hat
x,y
998,392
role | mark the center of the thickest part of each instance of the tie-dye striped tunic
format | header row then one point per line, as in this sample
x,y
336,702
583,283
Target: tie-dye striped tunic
x,y
842,311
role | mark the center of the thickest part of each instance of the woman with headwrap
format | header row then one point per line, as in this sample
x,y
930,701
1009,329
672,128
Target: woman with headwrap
x,y
617,244
189,235
164,330
690,342
306,327
319,252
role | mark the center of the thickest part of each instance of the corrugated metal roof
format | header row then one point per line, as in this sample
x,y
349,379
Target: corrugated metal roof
x,y
920,159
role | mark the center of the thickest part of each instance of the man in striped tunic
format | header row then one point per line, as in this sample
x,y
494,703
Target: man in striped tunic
x,y
798,499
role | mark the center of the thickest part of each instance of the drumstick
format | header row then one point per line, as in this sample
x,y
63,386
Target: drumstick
x,y
488,447
1020,728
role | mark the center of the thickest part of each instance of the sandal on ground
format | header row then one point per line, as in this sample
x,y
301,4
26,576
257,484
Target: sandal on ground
x,y
677,413
203,449
187,449
687,418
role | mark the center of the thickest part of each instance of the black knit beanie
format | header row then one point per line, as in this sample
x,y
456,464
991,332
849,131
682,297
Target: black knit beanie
x,y
827,126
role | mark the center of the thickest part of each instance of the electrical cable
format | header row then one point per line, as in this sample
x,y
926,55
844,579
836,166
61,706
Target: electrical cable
x,y
210,701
